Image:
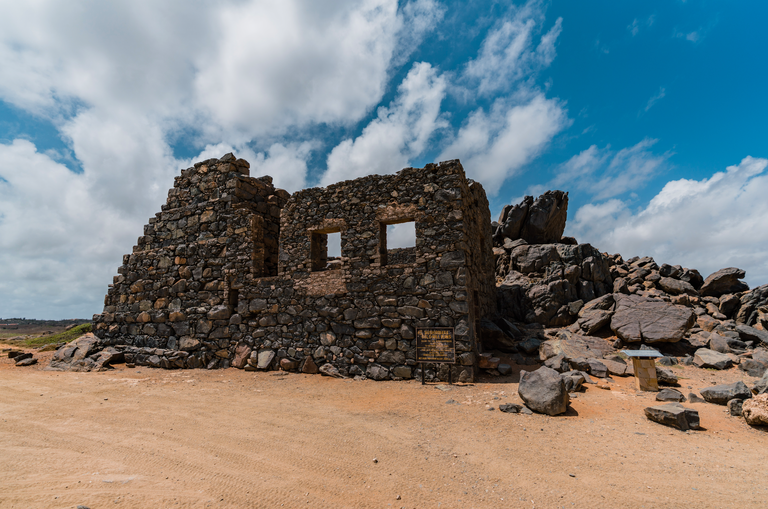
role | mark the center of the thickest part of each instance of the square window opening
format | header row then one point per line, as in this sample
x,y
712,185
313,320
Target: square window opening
x,y
325,250
398,242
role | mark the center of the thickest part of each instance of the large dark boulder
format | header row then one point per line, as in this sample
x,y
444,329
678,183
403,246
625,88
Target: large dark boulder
x,y
539,221
543,391
722,394
724,281
674,415
639,319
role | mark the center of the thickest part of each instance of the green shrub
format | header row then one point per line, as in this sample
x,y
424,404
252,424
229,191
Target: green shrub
x,y
61,337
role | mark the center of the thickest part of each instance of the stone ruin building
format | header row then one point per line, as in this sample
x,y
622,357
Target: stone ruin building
x,y
234,272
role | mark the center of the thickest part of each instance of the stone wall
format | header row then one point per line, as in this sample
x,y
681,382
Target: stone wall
x,y
236,272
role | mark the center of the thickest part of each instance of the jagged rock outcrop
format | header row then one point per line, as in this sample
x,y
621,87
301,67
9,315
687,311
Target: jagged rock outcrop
x,y
541,282
724,281
539,221
753,307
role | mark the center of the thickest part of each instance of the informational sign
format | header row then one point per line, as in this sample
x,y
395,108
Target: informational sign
x,y
436,344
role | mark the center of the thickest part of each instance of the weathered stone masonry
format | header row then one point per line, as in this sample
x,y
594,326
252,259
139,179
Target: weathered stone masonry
x,y
235,272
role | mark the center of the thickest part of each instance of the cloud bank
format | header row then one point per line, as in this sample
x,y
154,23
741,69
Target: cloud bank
x,y
126,85
703,224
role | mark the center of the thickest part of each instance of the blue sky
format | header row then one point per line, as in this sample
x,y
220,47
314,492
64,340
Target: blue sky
x,y
650,114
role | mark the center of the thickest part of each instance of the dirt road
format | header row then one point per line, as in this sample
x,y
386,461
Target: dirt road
x,y
145,438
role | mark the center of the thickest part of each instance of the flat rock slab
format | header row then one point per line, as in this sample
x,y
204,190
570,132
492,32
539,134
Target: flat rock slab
x,y
722,394
706,358
511,408
755,410
543,391
573,346
674,415
640,319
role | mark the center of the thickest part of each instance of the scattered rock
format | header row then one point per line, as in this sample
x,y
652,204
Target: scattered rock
x,y
674,415
597,368
670,395
27,362
706,358
510,408
755,410
734,407
573,381
721,394
543,391
21,357
504,369
558,363
695,398
665,376
615,367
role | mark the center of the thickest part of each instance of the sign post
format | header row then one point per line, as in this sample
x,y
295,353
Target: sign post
x,y
438,345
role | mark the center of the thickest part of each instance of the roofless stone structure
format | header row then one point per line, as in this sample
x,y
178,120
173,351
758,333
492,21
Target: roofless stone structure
x,y
233,271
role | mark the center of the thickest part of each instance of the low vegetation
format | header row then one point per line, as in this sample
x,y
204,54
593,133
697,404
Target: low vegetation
x,y
53,339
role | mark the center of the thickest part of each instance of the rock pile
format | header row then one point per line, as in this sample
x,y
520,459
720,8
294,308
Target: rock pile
x,y
21,359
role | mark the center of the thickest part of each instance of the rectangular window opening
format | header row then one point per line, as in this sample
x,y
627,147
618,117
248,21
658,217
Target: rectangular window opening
x,y
232,299
397,242
325,250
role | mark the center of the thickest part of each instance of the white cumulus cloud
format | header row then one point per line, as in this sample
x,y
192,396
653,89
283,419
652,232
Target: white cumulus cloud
x,y
497,145
398,133
703,224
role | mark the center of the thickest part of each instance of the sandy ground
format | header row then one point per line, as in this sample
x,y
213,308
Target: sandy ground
x,y
146,438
